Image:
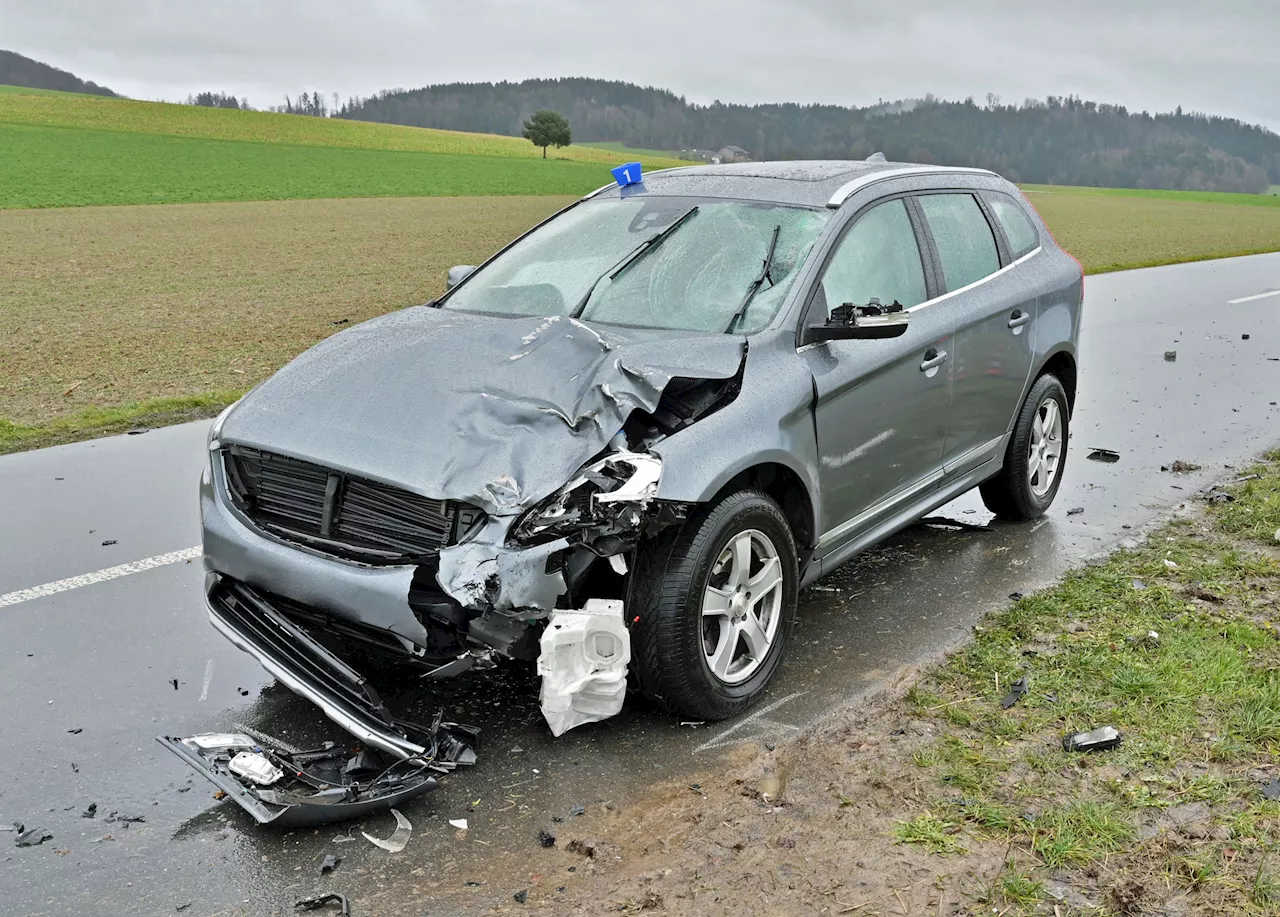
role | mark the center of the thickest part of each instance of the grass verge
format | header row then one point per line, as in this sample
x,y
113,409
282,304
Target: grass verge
x,y
105,421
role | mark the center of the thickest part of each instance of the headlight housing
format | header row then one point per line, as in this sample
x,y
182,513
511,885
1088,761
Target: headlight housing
x,y
608,491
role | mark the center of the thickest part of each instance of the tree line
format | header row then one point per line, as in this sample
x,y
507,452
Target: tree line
x,y
17,70
1057,140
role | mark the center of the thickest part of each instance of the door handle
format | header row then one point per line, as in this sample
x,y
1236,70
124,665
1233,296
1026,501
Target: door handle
x,y
933,358
1018,318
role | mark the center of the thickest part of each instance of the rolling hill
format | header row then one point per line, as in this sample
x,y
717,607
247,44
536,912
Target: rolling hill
x,y
19,70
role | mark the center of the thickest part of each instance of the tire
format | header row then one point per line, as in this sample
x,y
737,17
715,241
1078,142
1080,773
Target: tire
x,y
671,639
1012,494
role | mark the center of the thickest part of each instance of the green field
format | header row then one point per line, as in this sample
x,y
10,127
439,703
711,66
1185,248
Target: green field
x,y
64,149
1201,197
631,152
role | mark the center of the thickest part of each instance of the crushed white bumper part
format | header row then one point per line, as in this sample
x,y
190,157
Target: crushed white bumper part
x,y
583,664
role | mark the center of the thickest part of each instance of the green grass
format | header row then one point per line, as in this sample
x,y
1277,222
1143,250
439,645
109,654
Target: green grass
x,y
1201,197
634,152
28,91
62,167
1198,704
1274,190
104,421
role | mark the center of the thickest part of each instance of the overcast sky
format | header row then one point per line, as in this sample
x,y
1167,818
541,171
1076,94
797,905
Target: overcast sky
x,y
1221,57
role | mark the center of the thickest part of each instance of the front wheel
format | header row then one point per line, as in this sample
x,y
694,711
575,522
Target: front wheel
x,y
1036,456
711,606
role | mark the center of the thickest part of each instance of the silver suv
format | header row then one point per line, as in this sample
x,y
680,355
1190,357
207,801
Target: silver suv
x,y
662,412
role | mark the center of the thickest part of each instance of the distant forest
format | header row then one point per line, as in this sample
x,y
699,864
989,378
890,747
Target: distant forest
x,y
1058,140
16,70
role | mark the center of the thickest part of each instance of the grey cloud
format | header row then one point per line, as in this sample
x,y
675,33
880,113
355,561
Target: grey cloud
x,y
1145,54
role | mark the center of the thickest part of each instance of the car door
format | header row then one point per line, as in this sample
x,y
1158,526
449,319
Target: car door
x,y
995,312
881,405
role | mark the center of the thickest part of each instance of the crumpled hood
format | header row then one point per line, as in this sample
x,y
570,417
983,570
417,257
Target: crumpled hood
x,y
498,412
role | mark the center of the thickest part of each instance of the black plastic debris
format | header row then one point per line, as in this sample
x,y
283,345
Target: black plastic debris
x,y
1075,511
91,811
341,321
546,839
116,818
1219,496
557,818
1108,456
1272,789
136,431
1015,596
1244,337
174,682
314,904
1170,356
109,542
1016,691
521,896
182,907
76,731
330,863
33,838
321,785
1104,738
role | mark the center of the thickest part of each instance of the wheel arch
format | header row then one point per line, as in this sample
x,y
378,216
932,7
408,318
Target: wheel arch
x,y
1062,363
785,486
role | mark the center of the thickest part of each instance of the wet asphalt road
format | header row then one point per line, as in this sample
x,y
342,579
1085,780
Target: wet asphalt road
x,y
102,658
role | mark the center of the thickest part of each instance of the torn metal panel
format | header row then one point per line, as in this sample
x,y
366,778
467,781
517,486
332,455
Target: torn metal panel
x,y
320,786
524,402
484,573
583,665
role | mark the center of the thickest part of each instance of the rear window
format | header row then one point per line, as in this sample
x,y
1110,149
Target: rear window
x,y
1018,228
963,238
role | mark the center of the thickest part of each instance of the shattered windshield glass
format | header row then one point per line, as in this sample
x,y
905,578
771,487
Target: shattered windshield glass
x,y
671,263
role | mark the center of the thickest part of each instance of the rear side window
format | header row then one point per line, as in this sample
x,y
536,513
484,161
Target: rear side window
x,y
1018,228
963,237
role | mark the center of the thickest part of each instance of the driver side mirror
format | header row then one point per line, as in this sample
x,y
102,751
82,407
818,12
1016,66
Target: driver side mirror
x,y
851,322
457,274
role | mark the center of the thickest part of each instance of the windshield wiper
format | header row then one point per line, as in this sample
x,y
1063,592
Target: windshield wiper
x,y
631,258
758,282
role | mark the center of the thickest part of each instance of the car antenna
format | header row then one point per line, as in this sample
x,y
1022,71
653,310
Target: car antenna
x,y
758,282
631,258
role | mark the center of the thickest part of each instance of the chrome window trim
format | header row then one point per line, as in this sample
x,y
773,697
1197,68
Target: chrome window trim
x,y
843,192
977,283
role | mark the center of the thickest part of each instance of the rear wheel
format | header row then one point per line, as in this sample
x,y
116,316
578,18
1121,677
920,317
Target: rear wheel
x,y
1036,456
711,607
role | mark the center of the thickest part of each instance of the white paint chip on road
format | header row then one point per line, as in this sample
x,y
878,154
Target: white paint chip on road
x,y
101,576
1236,302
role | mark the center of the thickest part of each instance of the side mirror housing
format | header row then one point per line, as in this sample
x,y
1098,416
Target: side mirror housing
x,y
457,274
859,323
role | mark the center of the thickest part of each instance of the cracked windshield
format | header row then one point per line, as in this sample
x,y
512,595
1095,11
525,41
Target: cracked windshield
x,y
671,263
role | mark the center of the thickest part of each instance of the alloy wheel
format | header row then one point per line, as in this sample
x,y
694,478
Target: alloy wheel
x,y
741,606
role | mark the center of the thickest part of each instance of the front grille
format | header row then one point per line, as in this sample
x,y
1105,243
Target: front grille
x,y
341,514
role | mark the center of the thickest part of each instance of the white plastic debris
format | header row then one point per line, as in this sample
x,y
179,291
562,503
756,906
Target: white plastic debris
x,y
459,823
399,837
219,741
583,664
255,767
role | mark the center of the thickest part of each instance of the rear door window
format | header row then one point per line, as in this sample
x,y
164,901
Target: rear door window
x,y
1018,228
878,258
965,243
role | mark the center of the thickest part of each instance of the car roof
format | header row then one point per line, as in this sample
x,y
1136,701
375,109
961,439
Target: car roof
x,y
807,183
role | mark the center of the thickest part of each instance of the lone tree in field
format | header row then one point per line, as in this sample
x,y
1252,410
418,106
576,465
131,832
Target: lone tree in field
x,y
547,128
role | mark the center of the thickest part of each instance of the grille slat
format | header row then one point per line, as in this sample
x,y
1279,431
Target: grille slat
x,y
368,520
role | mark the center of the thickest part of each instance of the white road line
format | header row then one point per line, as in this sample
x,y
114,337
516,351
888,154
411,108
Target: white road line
x,y
723,738
1236,302
208,677
101,576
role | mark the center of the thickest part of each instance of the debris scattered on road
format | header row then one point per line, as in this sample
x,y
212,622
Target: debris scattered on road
x,y
314,904
109,542
1139,585
1104,738
1075,511
182,907
174,682
1016,596
459,823
944,522
1016,692
136,431
399,838
1108,456
1180,467
341,321
546,839
91,811
577,810
33,838
329,864
591,847
521,895
1170,356
76,731
1272,789
693,723
116,818
583,663
1219,496
1244,337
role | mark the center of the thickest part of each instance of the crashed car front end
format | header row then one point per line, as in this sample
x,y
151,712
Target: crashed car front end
x,y
442,566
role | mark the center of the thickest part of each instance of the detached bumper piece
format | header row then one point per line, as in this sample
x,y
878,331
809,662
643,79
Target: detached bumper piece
x,y
248,619
296,789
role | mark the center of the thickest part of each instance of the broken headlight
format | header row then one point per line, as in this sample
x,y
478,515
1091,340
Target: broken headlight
x,y
607,493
